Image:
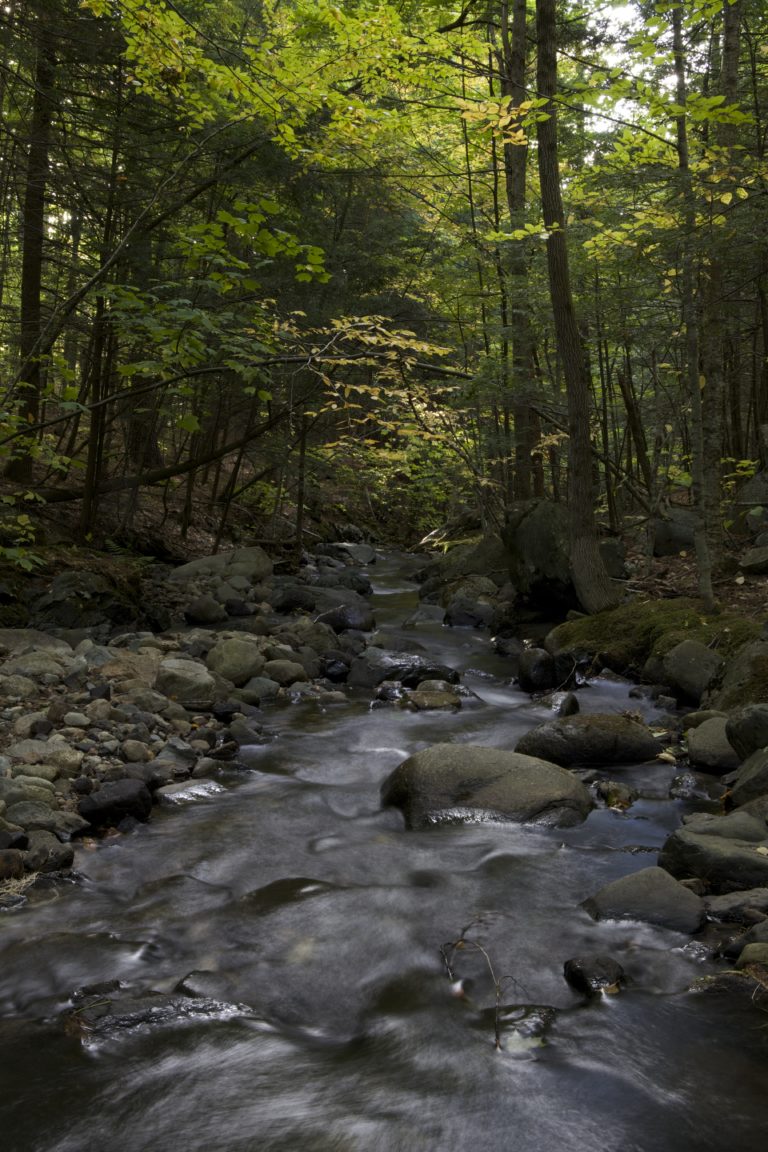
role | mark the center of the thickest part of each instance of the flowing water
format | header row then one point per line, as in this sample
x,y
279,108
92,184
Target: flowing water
x,y
309,924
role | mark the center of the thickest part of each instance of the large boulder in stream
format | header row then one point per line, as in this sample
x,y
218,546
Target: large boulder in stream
x,y
650,895
459,783
593,739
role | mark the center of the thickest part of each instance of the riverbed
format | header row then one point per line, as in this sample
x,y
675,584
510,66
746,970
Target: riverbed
x,y
297,929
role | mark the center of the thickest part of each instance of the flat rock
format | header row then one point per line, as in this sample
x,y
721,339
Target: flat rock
x,y
730,853
651,895
457,783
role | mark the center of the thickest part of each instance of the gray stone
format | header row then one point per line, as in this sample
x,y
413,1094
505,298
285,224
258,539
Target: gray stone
x,y
36,665
205,610
26,639
747,729
593,739
285,672
259,689
689,669
737,907
744,678
18,687
76,720
709,748
32,815
424,700
36,772
755,561
135,751
186,681
728,852
236,659
674,533
751,780
46,853
753,954
651,895
355,616
456,783
251,563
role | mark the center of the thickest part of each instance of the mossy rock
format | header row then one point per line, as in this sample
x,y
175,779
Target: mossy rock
x,y
624,638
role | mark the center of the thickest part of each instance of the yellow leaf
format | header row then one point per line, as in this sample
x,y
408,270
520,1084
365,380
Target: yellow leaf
x,y
742,193
726,197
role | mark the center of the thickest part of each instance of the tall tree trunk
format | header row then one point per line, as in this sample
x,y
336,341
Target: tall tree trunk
x,y
33,237
690,321
591,581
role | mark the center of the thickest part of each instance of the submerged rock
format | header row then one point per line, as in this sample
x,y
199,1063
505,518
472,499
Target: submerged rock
x,y
593,975
457,783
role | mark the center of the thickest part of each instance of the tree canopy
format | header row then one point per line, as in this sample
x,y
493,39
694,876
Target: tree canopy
x,y
382,261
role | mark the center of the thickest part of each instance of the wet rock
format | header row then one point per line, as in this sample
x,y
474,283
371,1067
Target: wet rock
x,y
357,617
450,783
46,853
690,668
738,907
113,802
375,665
751,780
536,670
728,852
747,729
594,975
465,612
709,748
426,700
651,895
592,740
616,794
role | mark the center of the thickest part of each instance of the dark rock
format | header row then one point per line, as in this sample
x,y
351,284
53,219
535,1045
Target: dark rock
x,y
709,748
375,665
114,801
728,852
464,612
738,907
80,599
46,853
744,679
293,598
751,780
455,783
689,669
592,740
536,538
205,610
334,666
651,895
357,617
747,729
11,864
755,561
592,975
616,794
536,670
674,533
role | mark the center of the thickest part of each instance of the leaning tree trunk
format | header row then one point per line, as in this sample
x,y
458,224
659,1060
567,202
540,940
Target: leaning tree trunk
x,y
591,581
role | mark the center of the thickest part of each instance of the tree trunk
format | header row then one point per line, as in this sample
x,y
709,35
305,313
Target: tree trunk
x,y
591,581
33,238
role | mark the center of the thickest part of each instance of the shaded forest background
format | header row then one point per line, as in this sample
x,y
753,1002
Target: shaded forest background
x,y
274,267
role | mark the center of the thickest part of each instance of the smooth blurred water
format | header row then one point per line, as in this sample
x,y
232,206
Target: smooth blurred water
x,y
317,922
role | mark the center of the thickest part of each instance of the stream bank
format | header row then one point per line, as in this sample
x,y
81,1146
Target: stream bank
x,y
271,958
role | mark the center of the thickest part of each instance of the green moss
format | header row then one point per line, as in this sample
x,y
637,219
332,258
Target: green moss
x,y
751,690
626,637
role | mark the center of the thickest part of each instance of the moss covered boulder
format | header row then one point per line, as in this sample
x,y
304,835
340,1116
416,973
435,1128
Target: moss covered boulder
x,y
625,638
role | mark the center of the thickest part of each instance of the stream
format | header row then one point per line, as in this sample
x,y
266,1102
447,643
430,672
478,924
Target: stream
x,y
307,924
